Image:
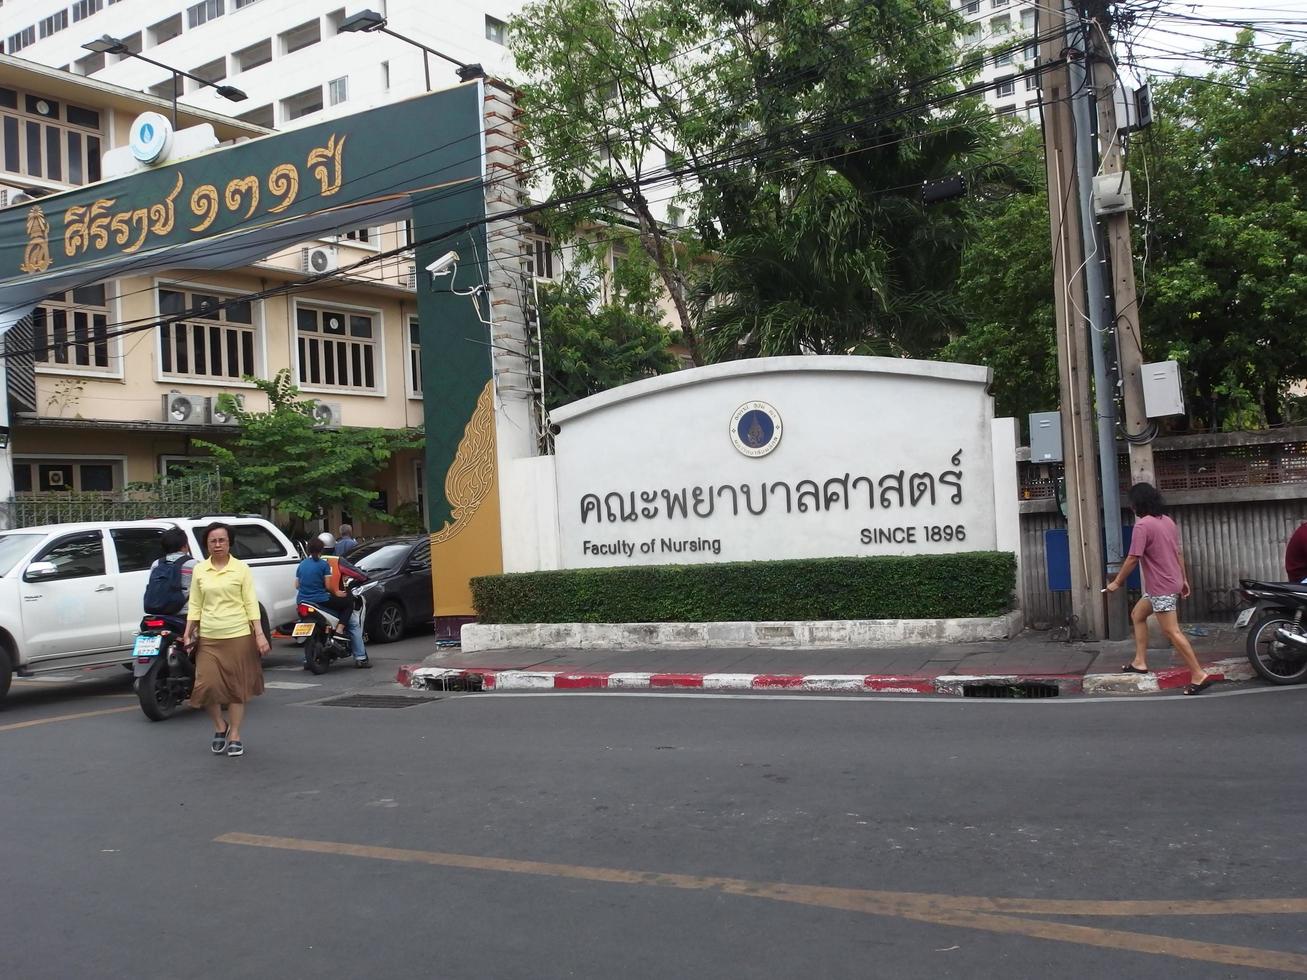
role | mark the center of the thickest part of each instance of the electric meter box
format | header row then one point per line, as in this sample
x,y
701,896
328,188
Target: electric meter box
x,y
1045,437
1163,394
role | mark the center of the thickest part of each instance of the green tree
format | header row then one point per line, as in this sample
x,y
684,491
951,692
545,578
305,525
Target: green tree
x,y
1225,232
280,463
795,135
590,345
1005,289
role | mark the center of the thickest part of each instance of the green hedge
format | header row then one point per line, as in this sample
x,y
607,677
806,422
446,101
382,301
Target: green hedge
x,y
977,583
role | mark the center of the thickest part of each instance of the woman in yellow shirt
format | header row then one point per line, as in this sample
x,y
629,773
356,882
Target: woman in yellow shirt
x,y
224,613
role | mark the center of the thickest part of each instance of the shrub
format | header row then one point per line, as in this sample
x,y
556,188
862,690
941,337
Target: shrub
x,y
978,583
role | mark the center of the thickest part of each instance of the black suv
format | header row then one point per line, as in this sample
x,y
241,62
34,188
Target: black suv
x,y
399,591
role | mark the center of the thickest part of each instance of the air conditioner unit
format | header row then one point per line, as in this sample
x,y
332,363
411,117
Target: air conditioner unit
x,y
182,409
319,259
219,414
326,415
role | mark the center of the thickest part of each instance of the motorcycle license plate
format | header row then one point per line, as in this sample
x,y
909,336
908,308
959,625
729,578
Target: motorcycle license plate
x,y
1245,618
303,629
147,646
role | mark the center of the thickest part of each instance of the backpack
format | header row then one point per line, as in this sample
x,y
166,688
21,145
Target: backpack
x,y
164,595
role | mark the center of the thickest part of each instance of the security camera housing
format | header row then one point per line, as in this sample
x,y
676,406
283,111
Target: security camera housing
x,y
443,264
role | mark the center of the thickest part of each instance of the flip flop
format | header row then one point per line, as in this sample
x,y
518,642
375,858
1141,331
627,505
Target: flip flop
x,y
1200,688
1132,669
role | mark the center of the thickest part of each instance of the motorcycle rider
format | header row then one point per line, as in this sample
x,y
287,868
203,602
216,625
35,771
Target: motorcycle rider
x,y
317,582
176,551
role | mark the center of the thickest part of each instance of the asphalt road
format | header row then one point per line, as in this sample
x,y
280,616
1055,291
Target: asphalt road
x,y
500,836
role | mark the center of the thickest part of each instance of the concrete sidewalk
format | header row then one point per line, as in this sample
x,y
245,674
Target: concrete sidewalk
x,y
1031,657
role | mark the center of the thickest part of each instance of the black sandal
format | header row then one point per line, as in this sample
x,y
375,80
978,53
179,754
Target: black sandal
x,y
218,745
1132,669
1192,689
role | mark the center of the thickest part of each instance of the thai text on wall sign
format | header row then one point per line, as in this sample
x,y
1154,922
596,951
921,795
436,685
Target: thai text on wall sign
x,y
897,489
97,226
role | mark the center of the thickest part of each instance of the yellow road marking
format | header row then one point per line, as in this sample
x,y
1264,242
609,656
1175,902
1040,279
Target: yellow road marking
x,y
953,910
51,721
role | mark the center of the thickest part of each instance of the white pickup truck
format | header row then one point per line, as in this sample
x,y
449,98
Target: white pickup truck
x,y
71,594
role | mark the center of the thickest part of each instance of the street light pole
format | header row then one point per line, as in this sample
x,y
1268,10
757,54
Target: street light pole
x,y
369,21
114,45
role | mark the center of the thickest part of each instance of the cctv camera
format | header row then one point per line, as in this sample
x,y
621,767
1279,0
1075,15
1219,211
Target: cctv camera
x,y
443,264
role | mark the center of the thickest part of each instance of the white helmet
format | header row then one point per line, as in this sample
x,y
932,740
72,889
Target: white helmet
x,y
328,540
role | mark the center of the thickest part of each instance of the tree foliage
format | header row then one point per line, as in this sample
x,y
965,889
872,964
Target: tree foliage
x,y
592,343
795,135
1225,288
280,463
1220,248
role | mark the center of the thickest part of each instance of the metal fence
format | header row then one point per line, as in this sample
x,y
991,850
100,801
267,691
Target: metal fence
x,y
196,494
1236,498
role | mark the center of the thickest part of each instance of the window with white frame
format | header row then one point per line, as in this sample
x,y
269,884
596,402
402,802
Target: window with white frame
x,y
337,348
21,39
361,236
1003,58
338,90
542,253
42,137
70,332
414,358
1032,83
1027,20
84,8
1001,25
55,23
496,30
203,12
53,475
973,7
1004,87
206,335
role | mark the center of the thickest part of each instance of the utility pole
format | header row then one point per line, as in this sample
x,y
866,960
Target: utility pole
x,y
1098,314
1129,342
1074,362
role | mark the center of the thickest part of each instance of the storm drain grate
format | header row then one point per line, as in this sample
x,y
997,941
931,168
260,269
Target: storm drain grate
x,y
1019,689
376,701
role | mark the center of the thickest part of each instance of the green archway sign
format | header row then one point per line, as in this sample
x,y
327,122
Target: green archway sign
x,y
237,204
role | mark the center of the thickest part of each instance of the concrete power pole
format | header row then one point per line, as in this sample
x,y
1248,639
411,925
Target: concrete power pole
x,y
1074,362
1130,350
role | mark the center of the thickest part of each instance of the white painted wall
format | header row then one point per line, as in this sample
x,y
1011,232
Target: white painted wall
x,y
854,416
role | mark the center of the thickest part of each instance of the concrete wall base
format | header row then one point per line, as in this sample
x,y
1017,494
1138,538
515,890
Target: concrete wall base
x,y
822,634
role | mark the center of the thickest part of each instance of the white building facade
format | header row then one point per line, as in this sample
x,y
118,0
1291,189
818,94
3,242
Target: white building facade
x,y
1000,24
288,56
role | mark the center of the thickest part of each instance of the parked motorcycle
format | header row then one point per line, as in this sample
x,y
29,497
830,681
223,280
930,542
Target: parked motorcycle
x,y
163,668
1277,636
317,628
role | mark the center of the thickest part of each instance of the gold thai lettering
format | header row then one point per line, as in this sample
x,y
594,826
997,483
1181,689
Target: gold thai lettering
x,y
78,224
238,189
36,256
284,182
325,163
204,205
98,224
164,214
122,227
141,219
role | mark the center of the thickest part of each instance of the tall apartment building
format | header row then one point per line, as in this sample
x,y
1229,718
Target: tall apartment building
x,y
1001,23
288,56
95,411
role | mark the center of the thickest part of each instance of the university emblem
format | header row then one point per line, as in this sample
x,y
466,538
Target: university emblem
x,y
36,257
755,429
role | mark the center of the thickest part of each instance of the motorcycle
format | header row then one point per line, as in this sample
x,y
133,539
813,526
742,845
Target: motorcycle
x,y
1277,637
317,628
163,668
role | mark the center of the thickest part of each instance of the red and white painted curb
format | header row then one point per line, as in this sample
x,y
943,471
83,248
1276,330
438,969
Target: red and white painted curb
x,y
495,679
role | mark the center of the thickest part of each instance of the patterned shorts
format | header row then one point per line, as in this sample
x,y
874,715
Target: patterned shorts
x,y
1164,603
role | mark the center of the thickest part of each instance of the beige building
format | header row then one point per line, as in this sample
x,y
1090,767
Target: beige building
x,y
109,397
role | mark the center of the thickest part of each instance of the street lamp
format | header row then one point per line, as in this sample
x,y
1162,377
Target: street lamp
x,y
113,45
369,21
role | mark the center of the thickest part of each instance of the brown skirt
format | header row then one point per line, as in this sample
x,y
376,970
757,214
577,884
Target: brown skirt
x,y
227,671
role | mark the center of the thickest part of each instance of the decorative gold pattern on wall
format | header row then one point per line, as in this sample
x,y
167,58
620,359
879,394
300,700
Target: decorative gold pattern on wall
x,y
36,257
472,475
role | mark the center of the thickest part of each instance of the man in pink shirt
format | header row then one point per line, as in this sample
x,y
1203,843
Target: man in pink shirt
x,y
1155,544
